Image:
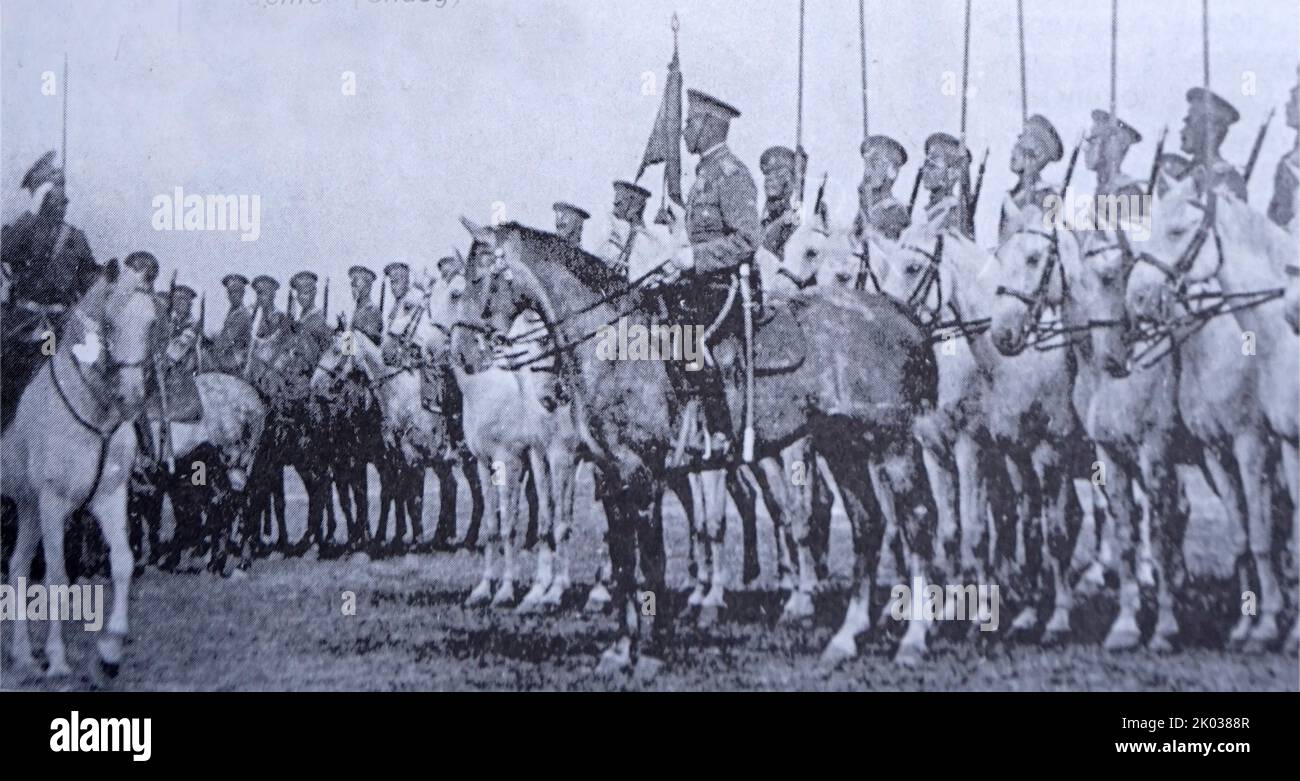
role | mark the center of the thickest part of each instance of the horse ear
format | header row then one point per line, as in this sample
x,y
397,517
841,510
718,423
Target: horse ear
x,y
111,271
479,232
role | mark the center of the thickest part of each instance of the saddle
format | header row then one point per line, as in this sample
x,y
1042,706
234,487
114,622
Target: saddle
x,y
183,402
779,337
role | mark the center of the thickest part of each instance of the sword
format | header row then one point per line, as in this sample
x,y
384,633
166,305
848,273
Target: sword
x,y
746,297
1155,163
1254,150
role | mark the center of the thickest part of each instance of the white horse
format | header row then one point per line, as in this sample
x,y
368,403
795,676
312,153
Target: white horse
x,y
71,445
1237,391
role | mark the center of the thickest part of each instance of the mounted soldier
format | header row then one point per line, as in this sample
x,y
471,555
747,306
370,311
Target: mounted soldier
x,y
878,209
233,339
311,319
365,314
1104,149
267,330
946,174
722,226
50,266
778,221
1038,145
396,353
1286,181
569,221
631,246
1208,119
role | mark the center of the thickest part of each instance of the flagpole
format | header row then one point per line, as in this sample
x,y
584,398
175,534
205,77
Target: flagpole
x,y
63,159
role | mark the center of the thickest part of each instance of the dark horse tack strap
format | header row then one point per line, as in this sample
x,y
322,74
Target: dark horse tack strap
x,y
104,436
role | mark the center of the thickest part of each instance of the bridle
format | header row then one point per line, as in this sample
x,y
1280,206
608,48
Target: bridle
x,y
939,328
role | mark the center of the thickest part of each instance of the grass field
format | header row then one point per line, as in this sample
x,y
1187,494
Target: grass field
x,y
283,628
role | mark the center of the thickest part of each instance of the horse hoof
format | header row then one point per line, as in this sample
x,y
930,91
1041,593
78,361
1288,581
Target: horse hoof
x,y
598,599
554,595
1093,580
1025,622
1264,636
617,659
708,616
480,596
1122,637
838,650
532,600
1055,636
58,670
1161,644
909,655
647,668
798,608
1146,574
109,669
505,595
27,671
1240,632
787,583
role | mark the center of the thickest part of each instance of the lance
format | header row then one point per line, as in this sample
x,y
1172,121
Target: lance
x,y
383,293
800,158
326,311
64,152
1259,144
198,343
979,181
1155,163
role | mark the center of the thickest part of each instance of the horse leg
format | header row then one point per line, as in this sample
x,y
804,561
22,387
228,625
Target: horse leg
x,y
445,530
508,494
820,505
796,514
1124,633
20,565
769,478
469,466
110,508
1103,559
621,655
1062,518
1222,476
561,470
941,469
1029,522
972,512
864,500
54,512
1291,466
545,572
682,486
1253,464
713,491
746,500
600,597
654,564
1168,525
387,491
482,592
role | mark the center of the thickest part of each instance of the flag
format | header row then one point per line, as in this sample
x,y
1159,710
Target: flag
x,y
665,144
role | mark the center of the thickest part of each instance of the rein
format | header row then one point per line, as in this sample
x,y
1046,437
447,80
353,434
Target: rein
x,y
938,328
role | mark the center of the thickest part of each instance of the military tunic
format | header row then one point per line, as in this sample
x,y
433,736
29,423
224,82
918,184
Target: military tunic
x,y
1222,176
50,263
368,321
1286,190
1021,198
1102,233
723,228
778,225
313,324
232,342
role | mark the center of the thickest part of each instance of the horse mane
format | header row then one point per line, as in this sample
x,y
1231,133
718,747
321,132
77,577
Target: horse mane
x,y
588,269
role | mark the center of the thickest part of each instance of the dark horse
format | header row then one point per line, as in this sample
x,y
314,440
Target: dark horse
x,y
865,372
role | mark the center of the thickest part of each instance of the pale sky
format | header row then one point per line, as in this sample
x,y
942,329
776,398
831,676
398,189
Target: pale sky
x,y
525,103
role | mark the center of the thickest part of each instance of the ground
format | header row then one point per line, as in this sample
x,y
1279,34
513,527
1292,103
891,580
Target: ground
x,y
283,628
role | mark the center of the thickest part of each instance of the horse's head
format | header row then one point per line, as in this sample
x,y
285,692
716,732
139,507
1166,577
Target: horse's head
x,y
338,359
909,270
114,333
1173,256
1030,275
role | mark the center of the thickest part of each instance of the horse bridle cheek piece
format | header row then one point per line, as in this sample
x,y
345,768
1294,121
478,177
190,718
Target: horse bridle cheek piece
x,y
1037,300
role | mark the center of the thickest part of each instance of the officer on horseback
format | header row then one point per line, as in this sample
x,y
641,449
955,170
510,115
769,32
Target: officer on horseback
x,y
878,209
723,229
1208,119
365,315
51,266
1038,145
569,221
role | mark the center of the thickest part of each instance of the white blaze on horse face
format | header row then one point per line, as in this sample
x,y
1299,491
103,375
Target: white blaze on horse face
x,y
89,349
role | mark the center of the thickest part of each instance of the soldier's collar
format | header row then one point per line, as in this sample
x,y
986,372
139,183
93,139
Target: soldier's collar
x,y
711,152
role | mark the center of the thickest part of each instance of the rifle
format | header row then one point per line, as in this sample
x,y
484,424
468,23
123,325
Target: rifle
x,y
252,338
979,181
326,310
1155,163
916,190
198,343
160,369
383,293
1069,168
1259,144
